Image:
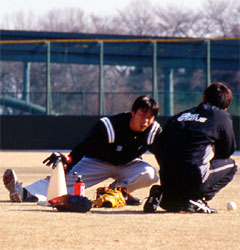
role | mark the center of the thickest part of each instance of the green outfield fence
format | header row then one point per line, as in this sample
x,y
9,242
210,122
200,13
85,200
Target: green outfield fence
x,y
86,103
60,74
56,73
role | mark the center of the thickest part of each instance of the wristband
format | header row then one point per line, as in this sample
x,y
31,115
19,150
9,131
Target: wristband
x,y
68,159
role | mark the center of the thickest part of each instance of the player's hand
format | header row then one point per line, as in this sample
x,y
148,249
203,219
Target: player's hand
x,y
54,159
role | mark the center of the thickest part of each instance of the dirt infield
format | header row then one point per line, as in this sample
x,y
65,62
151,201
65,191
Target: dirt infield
x,y
30,226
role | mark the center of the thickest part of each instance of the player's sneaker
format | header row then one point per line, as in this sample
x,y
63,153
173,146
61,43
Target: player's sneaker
x,y
199,206
153,200
129,198
13,185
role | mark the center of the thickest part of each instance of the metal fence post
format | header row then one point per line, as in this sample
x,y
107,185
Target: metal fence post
x,y
208,62
48,80
101,80
154,72
26,82
168,100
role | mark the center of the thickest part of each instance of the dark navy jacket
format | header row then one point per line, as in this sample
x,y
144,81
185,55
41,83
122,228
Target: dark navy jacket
x,y
111,140
192,138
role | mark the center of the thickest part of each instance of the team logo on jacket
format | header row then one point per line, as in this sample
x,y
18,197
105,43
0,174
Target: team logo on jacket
x,y
191,117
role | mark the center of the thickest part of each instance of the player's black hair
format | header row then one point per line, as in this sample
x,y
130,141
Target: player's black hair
x,y
219,95
145,103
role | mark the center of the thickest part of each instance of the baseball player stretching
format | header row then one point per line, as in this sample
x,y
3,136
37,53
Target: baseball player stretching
x,y
111,149
194,152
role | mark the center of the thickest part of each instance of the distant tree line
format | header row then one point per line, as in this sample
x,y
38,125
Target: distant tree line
x,y
216,19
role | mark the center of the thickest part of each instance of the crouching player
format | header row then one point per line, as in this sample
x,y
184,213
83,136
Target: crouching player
x,y
193,152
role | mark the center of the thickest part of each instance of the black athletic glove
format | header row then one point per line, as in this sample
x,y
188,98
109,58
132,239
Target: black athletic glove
x,y
71,203
54,159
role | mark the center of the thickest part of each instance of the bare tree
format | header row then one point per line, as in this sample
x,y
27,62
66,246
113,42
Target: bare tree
x,y
221,18
102,25
19,21
136,19
67,20
177,22
214,19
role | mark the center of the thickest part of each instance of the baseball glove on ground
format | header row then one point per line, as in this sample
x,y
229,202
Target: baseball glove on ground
x,y
107,197
71,203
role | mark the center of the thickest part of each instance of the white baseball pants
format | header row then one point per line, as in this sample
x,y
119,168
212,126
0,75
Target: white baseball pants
x,y
133,175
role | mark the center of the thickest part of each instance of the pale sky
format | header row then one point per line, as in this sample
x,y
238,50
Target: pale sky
x,y
99,7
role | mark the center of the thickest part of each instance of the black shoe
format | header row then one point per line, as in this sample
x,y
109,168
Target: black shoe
x,y
199,206
133,201
130,200
153,200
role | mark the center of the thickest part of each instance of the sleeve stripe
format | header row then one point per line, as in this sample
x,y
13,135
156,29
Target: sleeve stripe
x,y
109,128
153,132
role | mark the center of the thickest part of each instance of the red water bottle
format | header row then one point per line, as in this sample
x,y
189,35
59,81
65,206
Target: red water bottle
x,y
79,186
